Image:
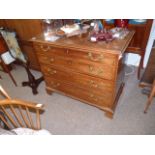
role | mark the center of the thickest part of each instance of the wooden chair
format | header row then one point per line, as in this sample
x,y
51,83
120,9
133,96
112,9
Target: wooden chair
x,y
19,113
152,94
3,50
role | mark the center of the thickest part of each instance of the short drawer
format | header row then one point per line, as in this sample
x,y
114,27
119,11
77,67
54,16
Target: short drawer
x,y
80,80
99,57
46,49
81,66
78,93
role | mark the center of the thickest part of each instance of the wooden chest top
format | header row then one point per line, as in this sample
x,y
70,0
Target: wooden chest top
x,y
78,43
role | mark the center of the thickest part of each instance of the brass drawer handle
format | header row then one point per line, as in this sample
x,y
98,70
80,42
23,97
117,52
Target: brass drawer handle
x,y
55,84
91,95
45,49
100,57
100,71
91,68
92,84
53,72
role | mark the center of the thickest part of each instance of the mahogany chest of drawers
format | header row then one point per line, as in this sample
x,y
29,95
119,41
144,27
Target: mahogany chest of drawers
x,y
90,72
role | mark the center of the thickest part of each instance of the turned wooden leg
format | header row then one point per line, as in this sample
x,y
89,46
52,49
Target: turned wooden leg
x,y
12,78
138,73
139,68
109,115
150,97
49,91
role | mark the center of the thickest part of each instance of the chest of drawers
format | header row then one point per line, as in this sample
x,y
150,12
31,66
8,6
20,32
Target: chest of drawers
x,y
90,72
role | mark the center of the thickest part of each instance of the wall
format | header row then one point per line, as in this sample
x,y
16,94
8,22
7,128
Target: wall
x,y
150,43
26,29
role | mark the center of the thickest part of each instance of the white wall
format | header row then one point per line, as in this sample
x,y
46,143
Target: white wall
x,y
133,59
150,43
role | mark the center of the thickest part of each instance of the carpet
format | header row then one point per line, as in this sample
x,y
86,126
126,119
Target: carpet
x,y
66,116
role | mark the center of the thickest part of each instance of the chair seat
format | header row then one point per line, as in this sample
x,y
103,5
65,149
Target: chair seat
x,y
6,132
27,131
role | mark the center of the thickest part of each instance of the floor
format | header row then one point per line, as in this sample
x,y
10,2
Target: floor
x,y
66,116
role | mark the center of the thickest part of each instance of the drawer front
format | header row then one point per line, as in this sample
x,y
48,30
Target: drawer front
x,y
84,81
84,94
107,59
77,65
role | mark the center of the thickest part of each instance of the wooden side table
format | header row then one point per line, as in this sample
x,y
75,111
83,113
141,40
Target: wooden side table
x,y
139,41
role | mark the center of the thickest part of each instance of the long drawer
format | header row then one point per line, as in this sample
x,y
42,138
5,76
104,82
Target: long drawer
x,y
78,65
85,81
84,94
106,59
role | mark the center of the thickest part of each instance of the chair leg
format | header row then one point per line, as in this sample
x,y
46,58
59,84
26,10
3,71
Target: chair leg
x,y
8,71
150,97
12,78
